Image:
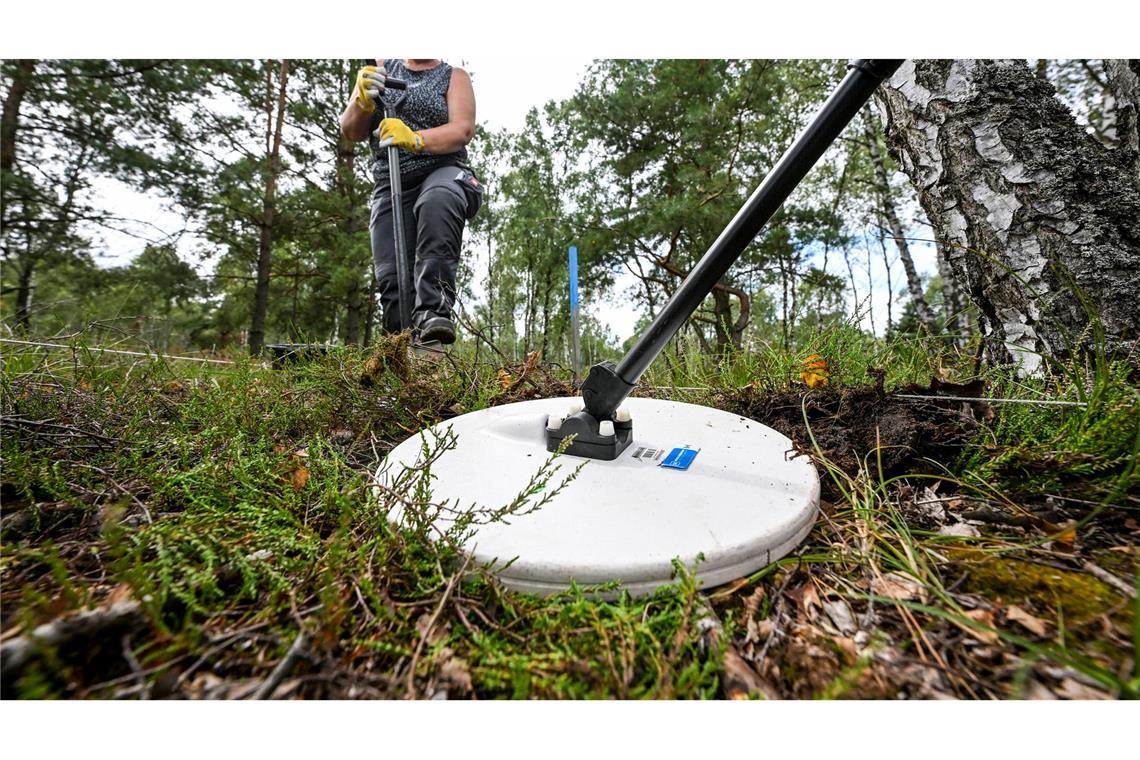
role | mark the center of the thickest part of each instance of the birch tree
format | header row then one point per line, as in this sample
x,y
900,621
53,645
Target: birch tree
x,y
890,213
1042,221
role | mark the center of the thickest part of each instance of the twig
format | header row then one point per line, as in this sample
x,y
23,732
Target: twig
x,y
1032,401
410,691
136,669
86,624
288,662
65,429
1110,579
115,351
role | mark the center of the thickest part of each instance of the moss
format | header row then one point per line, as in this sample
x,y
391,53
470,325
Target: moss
x,y
1047,590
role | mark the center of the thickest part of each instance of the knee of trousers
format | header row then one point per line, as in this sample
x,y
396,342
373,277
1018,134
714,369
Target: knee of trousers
x,y
440,207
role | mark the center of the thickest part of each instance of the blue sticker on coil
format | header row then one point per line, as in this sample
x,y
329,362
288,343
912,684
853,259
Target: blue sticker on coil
x,y
680,458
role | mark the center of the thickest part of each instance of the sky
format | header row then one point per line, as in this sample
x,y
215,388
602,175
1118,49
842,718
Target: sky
x,y
505,89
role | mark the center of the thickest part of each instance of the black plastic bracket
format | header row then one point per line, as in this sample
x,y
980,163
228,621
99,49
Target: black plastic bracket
x,y
603,390
588,440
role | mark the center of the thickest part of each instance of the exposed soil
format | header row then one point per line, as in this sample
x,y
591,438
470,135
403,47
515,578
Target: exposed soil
x,y
862,427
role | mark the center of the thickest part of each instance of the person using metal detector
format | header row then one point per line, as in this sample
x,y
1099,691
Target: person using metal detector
x,y
425,191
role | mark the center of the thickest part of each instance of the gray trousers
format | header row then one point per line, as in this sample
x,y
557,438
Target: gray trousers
x,y
435,209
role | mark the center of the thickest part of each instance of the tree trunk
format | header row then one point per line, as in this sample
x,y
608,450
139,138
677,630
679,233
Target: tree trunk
x,y
546,293
265,242
9,126
370,310
345,183
890,280
353,317
1124,83
1042,222
952,308
24,288
490,288
890,213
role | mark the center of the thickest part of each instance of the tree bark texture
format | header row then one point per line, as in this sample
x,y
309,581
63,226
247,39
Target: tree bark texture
x,y
957,322
265,241
1041,222
1124,82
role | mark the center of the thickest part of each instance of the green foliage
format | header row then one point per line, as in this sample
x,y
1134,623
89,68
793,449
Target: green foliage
x,y
242,499
228,528
1087,453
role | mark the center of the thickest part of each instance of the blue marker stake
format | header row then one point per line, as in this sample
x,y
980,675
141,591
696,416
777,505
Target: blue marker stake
x,y
575,358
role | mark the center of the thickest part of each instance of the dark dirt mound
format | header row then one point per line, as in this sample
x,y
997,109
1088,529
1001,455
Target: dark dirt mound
x,y
861,426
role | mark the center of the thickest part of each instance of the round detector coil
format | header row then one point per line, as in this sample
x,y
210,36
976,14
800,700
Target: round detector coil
x,y
723,494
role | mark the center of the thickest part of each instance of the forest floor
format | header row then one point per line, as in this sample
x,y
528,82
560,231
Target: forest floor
x,y
172,530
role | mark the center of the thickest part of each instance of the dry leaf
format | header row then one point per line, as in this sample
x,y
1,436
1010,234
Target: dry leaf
x,y
959,529
453,675
1036,691
840,613
1028,622
1067,538
121,593
806,597
814,373
741,681
898,586
300,478
1073,689
985,635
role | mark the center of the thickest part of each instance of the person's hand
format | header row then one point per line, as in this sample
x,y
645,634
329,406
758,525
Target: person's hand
x,y
396,132
369,84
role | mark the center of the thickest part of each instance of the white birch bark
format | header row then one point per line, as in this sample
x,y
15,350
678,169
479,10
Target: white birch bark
x,y
1041,222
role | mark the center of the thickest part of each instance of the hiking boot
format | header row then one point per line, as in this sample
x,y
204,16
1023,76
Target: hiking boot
x,y
439,329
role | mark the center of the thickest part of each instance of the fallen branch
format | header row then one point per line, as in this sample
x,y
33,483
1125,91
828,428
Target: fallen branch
x,y
1102,574
68,630
284,668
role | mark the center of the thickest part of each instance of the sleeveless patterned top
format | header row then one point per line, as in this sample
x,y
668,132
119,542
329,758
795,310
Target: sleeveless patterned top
x,y
422,106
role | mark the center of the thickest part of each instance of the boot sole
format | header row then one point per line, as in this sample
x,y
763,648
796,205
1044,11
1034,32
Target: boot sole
x,y
439,333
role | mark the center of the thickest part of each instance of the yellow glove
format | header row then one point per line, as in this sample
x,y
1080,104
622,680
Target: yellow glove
x,y
369,84
396,132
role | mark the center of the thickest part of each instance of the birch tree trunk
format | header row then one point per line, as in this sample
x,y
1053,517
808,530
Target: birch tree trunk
x,y
1041,221
1124,83
891,214
269,206
956,319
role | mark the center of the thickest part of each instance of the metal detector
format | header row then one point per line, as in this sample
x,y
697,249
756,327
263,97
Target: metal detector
x,y
722,494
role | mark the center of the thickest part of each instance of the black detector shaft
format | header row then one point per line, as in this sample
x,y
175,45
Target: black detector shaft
x,y
607,386
403,268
